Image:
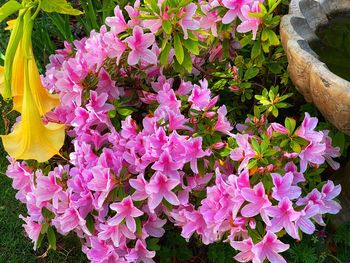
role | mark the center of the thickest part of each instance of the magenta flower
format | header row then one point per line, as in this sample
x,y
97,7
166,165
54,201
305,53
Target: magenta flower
x,y
139,43
154,226
160,187
195,152
258,202
46,187
70,220
99,251
32,229
114,45
125,210
117,23
102,182
222,124
329,192
284,216
210,18
313,153
307,129
330,152
304,222
250,23
283,187
243,153
268,248
139,185
167,165
245,247
187,22
200,96
297,177
234,7
140,253
117,234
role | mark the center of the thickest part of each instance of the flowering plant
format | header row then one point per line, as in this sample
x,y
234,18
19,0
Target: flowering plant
x,y
146,147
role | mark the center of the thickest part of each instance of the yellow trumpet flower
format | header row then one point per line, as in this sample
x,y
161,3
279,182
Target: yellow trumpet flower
x,y
30,138
44,100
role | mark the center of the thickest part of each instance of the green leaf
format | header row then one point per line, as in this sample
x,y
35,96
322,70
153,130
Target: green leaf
x,y
164,55
256,50
90,223
192,46
295,146
59,6
51,236
273,39
251,73
44,228
255,145
125,111
8,9
290,124
179,51
187,63
167,27
339,140
47,213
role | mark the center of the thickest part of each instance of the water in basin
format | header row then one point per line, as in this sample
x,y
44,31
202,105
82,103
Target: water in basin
x,y
333,45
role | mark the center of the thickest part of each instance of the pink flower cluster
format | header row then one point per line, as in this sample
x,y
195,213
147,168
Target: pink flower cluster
x,y
166,163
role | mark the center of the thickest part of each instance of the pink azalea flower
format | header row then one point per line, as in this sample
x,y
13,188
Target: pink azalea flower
x,y
70,220
283,187
243,153
245,247
330,152
139,185
115,47
102,182
187,22
154,226
167,165
313,153
222,124
160,187
258,202
234,7
195,152
125,210
32,229
117,23
329,192
307,129
117,234
140,253
133,13
276,127
139,43
99,251
46,187
250,23
200,96
268,248
284,216
297,177
304,222
209,20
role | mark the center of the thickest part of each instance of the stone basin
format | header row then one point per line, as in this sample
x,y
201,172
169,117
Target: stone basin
x,y
327,91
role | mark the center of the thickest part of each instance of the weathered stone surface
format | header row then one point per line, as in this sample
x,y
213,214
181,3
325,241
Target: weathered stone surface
x,y
329,92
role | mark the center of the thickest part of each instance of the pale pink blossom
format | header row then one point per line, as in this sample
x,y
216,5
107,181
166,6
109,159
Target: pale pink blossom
x,y
117,23
283,187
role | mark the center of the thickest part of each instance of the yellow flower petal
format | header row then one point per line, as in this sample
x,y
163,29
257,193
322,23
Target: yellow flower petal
x,y
44,100
10,24
31,139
